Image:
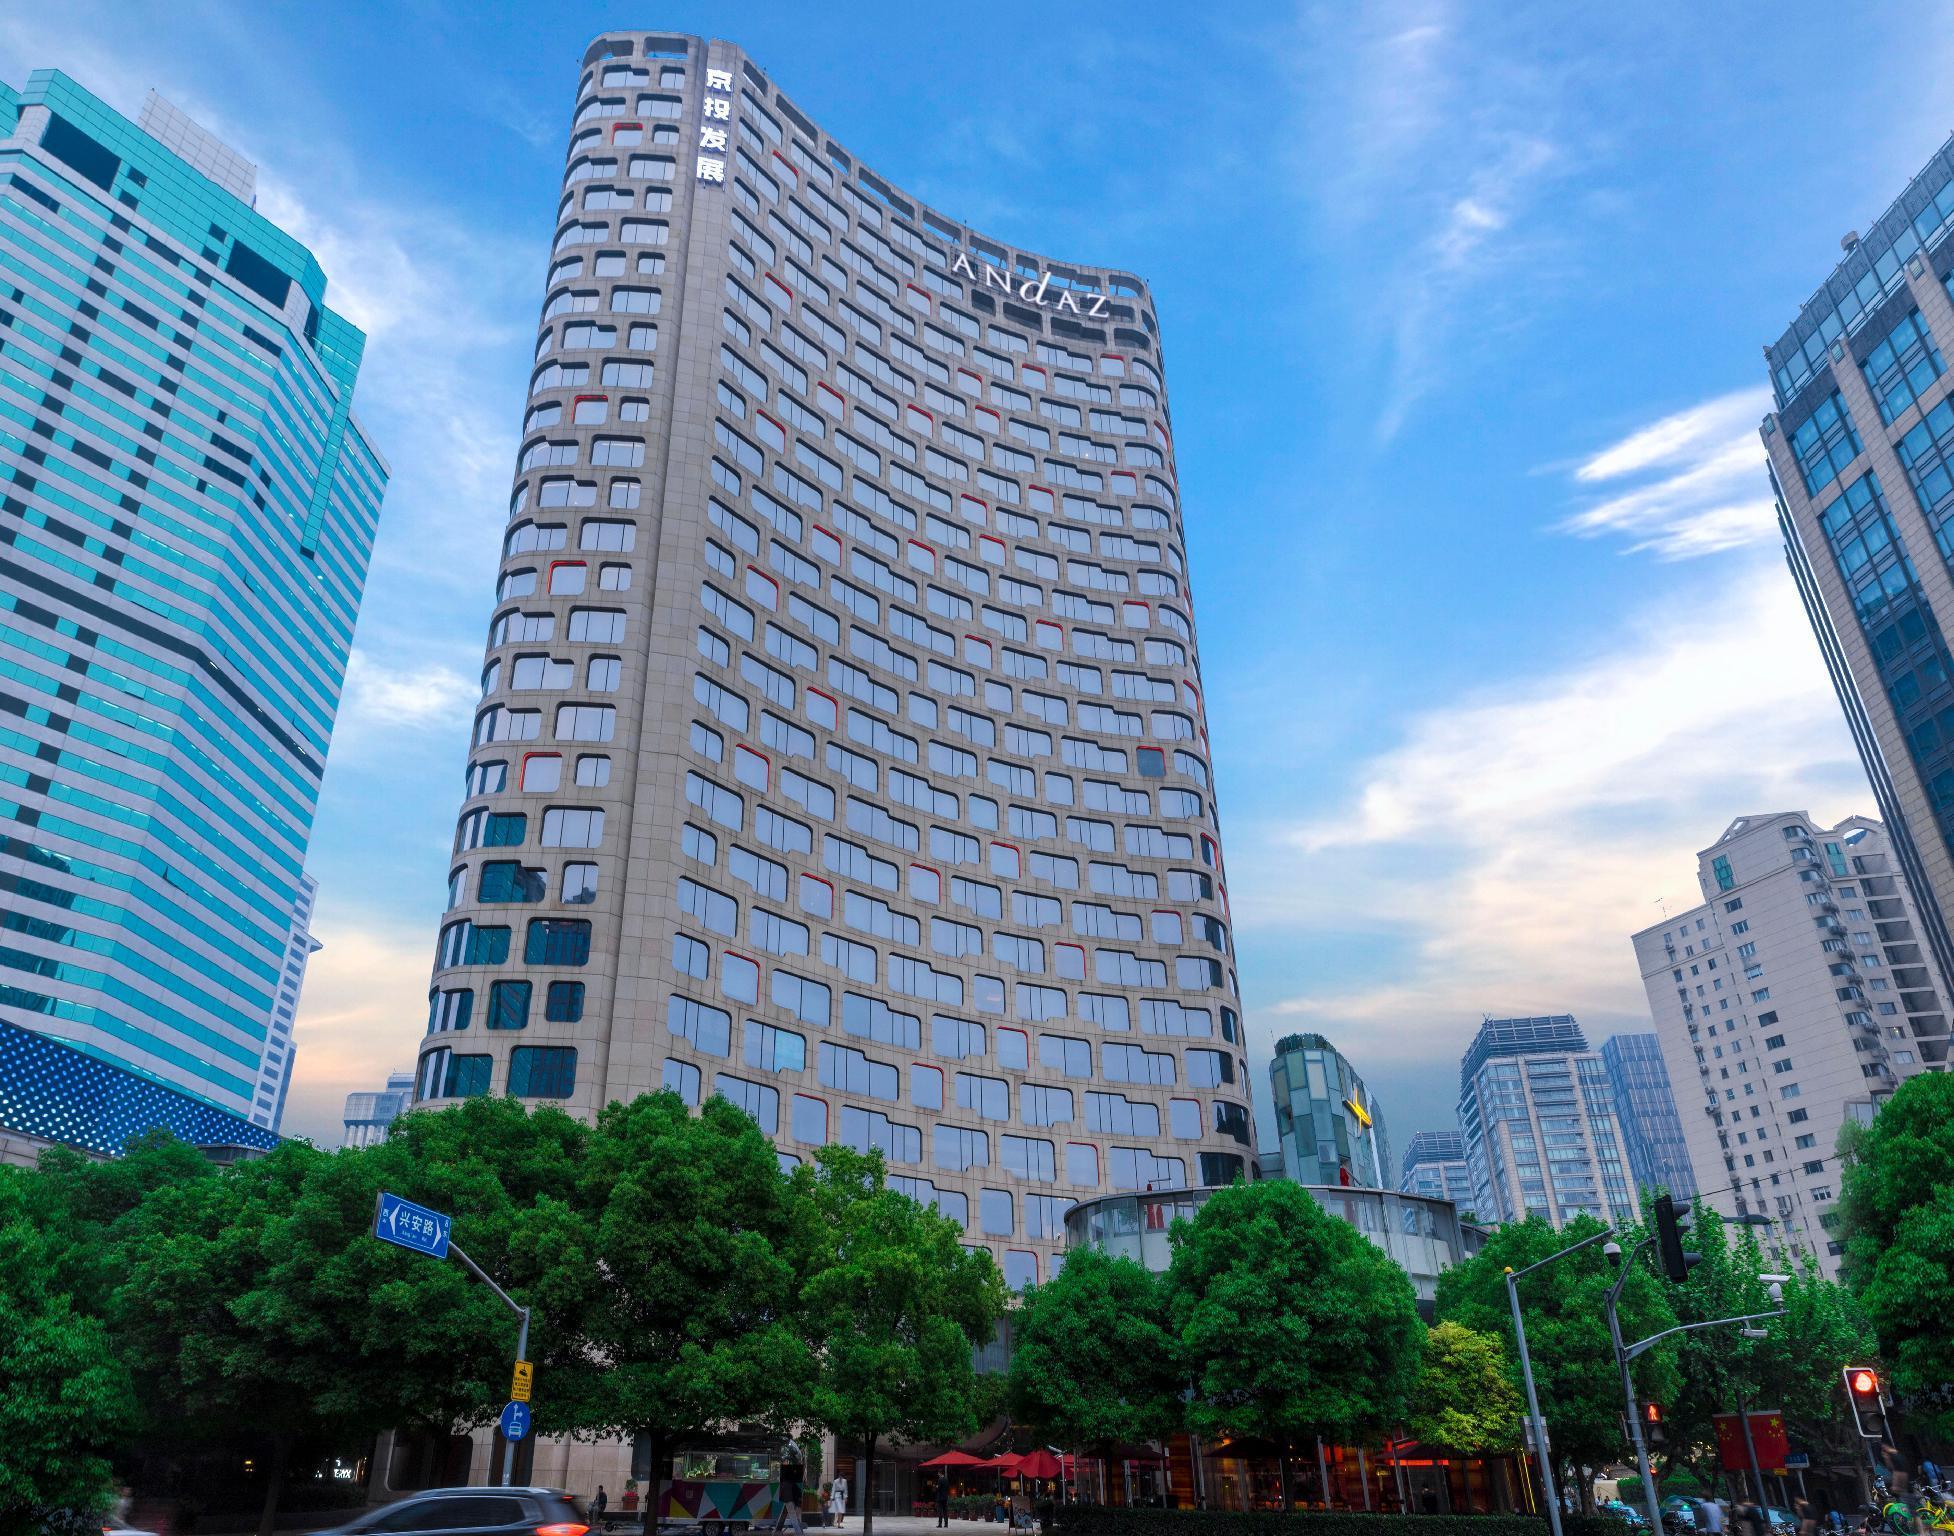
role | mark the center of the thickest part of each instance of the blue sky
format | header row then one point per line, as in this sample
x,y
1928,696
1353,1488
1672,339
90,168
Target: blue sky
x,y
1462,308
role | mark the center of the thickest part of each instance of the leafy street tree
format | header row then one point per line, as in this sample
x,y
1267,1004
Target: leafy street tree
x,y
894,1303
66,1399
1465,1398
258,1306
1897,1208
684,1313
1567,1331
1093,1364
1291,1323
1795,1369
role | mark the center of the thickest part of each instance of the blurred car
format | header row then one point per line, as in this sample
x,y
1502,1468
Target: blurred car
x,y
1621,1511
1678,1514
477,1511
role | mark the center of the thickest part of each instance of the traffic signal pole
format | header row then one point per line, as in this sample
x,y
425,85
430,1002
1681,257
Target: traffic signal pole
x,y
1541,1453
522,1347
1622,1357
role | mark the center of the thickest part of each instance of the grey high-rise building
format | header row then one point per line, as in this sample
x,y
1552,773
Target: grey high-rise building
x,y
187,506
1658,1154
1861,446
1327,1123
842,748
370,1115
1542,1136
1435,1166
1795,997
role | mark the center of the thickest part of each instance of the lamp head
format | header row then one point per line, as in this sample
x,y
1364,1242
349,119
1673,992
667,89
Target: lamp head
x,y
1613,1250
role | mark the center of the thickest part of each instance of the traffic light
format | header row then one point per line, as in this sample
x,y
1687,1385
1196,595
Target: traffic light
x,y
1652,1426
1676,1260
1868,1403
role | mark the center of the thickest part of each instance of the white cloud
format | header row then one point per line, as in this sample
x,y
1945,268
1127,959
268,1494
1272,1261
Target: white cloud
x,y
1690,484
430,695
1510,843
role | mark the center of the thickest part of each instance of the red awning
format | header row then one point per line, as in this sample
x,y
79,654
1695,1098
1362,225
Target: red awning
x,y
956,1459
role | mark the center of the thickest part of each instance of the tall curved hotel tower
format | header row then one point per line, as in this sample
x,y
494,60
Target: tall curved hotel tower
x,y
841,746
187,505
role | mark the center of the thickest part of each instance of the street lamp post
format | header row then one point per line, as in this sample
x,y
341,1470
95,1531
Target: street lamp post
x,y
1540,1451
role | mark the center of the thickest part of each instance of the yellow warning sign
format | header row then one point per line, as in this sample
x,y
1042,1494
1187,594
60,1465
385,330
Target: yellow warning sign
x,y
519,1386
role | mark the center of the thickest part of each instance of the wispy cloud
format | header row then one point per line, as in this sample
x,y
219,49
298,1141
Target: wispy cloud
x,y
1505,848
415,696
1690,484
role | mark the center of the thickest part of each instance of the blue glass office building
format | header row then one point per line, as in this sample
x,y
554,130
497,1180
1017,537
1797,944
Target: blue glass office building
x,y
187,507
1658,1154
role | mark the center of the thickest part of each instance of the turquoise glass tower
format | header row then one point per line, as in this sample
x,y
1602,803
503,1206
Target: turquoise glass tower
x,y
187,509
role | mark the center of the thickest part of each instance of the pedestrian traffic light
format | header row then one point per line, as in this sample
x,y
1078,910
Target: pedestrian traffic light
x,y
1868,1402
1652,1425
1676,1260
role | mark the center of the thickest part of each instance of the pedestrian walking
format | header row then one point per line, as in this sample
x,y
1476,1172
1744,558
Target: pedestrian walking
x,y
1929,1472
793,1477
837,1501
943,1502
1709,1518
598,1505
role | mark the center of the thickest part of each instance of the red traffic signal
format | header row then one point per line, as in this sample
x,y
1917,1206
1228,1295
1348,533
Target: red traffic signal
x,y
1652,1413
1868,1403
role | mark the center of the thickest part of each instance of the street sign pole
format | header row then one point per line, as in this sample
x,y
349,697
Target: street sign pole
x,y
415,1227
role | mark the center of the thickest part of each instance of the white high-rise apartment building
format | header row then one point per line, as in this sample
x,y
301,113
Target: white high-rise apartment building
x,y
841,748
1796,997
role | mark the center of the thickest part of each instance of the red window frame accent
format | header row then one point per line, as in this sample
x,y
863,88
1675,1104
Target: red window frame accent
x,y
554,564
923,291
1038,624
579,399
833,703
522,769
997,421
1136,602
1132,482
829,389
1077,949
932,870
980,640
766,761
965,496
916,410
827,1115
792,168
1044,379
928,549
786,292
829,533
818,880
998,842
754,570
991,538
1093,1148
616,126
1035,486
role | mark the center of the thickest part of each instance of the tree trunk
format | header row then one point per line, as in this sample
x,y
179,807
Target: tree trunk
x,y
281,1450
654,1496
868,1485
1288,1497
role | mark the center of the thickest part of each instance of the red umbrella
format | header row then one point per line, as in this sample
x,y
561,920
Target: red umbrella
x,y
1008,1462
956,1459
1039,1463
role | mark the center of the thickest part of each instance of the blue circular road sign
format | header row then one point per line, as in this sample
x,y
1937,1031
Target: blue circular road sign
x,y
515,1421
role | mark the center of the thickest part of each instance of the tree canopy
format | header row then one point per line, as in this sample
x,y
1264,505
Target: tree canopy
x,y
1897,1221
1293,1324
1094,1364
1465,1398
894,1304
1567,1330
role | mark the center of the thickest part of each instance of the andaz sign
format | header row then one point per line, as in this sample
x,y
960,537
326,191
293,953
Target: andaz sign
x,y
988,276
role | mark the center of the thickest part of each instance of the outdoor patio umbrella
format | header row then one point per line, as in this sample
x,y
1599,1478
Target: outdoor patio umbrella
x,y
956,1459
1040,1463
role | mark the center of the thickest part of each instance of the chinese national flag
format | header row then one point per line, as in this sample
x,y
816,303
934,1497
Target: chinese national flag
x,y
1767,1433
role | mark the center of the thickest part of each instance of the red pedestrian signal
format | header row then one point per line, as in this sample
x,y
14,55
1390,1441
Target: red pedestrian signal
x,y
1652,1413
1865,1383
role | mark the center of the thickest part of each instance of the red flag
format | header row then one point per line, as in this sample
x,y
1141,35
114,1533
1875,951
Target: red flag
x,y
1767,1434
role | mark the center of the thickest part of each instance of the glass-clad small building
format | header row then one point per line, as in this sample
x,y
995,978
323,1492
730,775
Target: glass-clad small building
x,y
1329,1125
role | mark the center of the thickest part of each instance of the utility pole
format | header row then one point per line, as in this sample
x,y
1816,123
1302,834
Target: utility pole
x,y
1541,1453
1622,1357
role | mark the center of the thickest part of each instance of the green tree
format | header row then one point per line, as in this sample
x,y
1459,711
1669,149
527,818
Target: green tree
x,y
1465,1398
684,1314
1897,1222
1290,1323
893,1304
1567,1330
65,1398
257,1303
1093,1362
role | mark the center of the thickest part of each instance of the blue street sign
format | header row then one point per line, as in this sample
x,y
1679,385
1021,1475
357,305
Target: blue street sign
x,y
515,1421
1797,1461
412,1226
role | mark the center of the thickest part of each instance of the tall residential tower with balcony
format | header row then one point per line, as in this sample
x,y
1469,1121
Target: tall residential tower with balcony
x,y
187,506
841,747
1797,996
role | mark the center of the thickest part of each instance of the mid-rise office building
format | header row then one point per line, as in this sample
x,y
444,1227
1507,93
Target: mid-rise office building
x,y
1435,1167
1796,996
842,747
1861,447
370,1116
1538,1118
1645,1101
1327,1123
187,505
